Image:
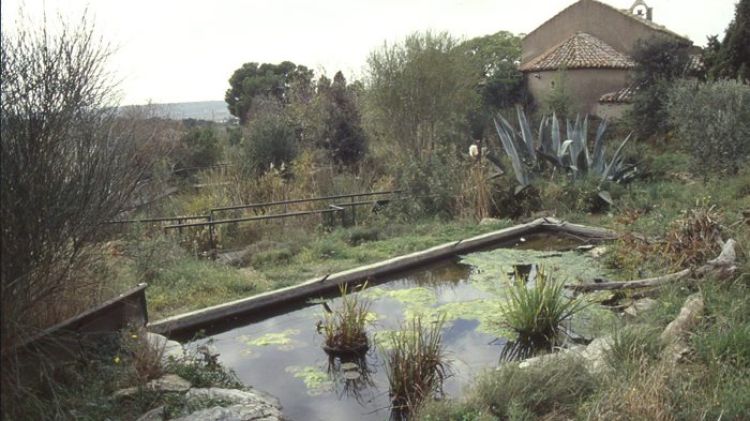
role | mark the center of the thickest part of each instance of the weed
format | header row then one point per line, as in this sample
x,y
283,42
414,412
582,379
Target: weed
x,y
344,326
538,390
695,237
537,312
416,365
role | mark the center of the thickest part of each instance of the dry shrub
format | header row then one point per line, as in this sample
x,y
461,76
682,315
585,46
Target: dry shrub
x,y
646,395
695,237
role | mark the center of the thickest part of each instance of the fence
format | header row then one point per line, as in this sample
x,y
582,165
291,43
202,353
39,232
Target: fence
x,y
338,206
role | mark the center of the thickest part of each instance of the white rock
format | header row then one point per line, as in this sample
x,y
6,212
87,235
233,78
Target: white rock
x,y
172,349
237,412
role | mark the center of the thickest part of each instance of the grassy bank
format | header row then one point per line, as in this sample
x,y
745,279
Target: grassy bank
x,y
179,281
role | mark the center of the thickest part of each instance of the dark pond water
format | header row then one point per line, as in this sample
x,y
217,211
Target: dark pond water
x,y
282,354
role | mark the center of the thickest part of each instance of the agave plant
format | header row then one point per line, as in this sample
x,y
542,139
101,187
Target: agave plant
x,y
570,155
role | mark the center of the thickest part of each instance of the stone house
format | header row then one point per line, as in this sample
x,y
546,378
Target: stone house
x,y
588,47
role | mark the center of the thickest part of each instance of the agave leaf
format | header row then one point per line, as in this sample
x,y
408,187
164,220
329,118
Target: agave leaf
x,y
555,134
564,148
605,196
615,157
582,162
544,141
598,163
583,135
510,149
552,158
527,136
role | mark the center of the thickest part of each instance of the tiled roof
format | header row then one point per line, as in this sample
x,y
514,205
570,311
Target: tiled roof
x,y
580,51
624,95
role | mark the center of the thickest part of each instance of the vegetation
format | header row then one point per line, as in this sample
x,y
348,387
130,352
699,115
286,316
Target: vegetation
x,y
416,364
70,164
730,58
659,62
713,121
344,326
536,313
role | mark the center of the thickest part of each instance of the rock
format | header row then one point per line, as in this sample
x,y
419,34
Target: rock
x,y
640,306
156,414
166,383
593,353
598,251
237,412
234,396
690,314
245,405
172,350
349,366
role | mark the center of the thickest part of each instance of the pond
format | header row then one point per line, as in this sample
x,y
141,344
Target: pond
x,y
282,354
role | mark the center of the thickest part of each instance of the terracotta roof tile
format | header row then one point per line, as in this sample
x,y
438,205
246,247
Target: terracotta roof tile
x,y
624,95
580,51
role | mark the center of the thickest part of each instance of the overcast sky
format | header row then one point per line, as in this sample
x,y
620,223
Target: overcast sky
x,y
185,50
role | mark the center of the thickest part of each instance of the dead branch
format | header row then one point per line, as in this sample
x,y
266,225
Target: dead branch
x,y
723,266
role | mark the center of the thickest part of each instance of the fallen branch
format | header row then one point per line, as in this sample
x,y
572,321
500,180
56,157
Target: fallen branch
x,y
723,265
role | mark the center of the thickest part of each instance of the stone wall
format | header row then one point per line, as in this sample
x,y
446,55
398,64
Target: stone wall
x,y
585,86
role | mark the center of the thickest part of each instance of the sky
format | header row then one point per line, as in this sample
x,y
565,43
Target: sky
x,y
186,50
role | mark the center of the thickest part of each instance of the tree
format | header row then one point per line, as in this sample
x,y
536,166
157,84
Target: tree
x,y
201,148
659,62
420,92
270,140
731,57
497,57
70,163
271,80
344,137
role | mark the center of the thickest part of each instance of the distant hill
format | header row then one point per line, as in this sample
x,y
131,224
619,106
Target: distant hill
x,y
199,110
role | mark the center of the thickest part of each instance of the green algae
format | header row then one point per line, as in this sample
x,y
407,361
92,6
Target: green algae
x,y
281,340
493,267
420,296
316,380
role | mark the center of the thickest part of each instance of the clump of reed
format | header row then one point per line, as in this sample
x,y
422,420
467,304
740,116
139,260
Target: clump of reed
x,y
416,364
344,326
536,313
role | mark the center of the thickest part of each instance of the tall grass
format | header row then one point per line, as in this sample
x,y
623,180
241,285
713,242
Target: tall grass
x,y
536,313
344,327
416,364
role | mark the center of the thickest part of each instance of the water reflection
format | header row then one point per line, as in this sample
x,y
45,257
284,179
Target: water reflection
x,y
352,376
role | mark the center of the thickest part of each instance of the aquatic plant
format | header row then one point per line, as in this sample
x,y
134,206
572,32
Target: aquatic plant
x,y
416,364
536,312
344,326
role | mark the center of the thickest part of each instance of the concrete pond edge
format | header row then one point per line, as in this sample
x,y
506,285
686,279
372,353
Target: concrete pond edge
x,y
311,287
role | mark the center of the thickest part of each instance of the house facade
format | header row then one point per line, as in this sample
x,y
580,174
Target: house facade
x,y
588,47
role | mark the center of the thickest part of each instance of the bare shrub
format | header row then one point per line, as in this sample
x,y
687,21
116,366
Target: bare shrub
x,y
70,163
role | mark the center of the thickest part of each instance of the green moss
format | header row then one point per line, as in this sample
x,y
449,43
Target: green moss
x,y
316,380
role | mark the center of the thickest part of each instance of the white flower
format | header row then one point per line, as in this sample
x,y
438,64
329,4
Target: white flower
x,y
473,150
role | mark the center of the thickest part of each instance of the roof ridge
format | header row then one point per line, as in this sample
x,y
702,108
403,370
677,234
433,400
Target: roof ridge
x,y
648,23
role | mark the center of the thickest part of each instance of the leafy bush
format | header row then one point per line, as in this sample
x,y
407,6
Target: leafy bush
x,y
271,140
659,62
694,238
713,119
433,185
201,149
